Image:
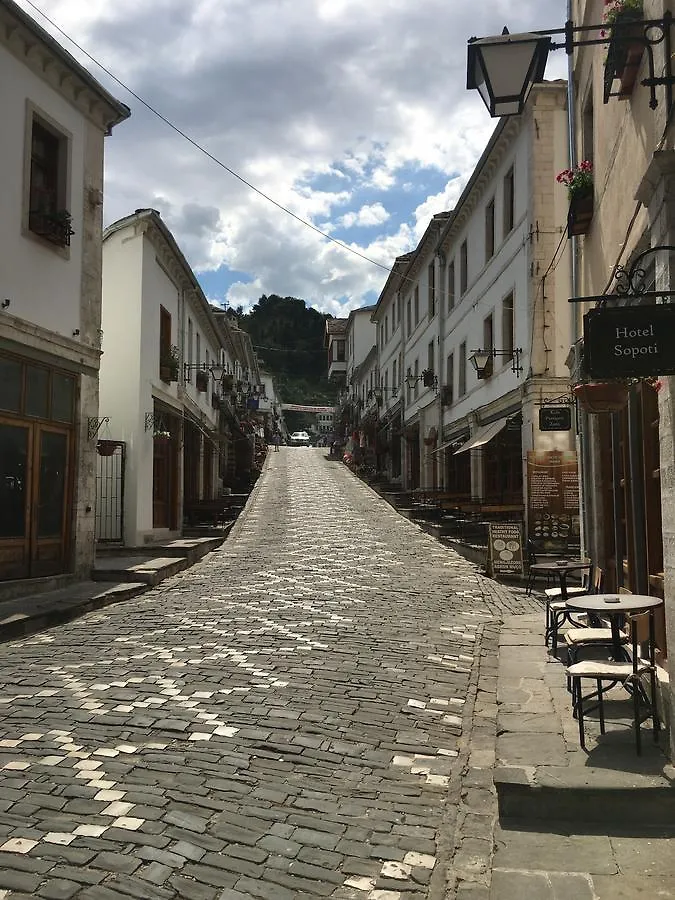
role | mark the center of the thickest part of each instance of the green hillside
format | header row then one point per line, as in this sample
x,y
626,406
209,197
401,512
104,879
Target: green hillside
x,y
288,339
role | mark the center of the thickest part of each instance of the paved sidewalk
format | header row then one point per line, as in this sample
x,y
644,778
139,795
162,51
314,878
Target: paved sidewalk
x,y
311,711
568,824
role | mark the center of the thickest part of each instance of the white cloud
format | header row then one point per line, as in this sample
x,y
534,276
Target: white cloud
x,y
322,104
375,214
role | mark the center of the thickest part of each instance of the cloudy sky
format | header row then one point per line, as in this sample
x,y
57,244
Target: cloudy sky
x,y
351,113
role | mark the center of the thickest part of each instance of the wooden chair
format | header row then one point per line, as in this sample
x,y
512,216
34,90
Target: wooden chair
x,y
608,673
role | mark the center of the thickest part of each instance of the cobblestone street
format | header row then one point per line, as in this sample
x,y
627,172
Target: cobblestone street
x,y
281,720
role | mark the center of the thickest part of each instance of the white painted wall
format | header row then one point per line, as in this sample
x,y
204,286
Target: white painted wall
x,y
43,287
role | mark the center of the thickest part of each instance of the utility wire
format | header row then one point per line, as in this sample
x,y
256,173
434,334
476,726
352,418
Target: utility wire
x,y
206,152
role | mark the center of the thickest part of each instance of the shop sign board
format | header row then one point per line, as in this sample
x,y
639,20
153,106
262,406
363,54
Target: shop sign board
x,y
555,418
630,341
553,498
505,550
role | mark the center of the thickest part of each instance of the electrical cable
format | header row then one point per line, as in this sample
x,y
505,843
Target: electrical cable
x,y
210,155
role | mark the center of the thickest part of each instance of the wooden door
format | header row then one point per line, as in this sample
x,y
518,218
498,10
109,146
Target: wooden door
x,y
163,465
35,499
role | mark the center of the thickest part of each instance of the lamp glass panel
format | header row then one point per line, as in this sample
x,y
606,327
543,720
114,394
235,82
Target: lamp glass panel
x,y
504,68
480,359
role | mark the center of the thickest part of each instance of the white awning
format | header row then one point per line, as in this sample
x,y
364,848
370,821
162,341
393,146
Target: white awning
x,y
445,446
484,434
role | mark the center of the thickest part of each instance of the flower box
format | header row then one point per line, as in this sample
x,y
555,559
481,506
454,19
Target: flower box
x,y
580,214
627,43
601,397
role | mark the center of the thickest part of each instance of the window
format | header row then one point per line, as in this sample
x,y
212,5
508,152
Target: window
x,y
488,344
399,301
587,129
451,286
463,268
409,316
461,386
416,304
386,329
394,382
386,380
509,202
393,316
47,190
431,272
431,363
490,230
450,379
340,351
198,352
416,372
190,341
165,365
508,336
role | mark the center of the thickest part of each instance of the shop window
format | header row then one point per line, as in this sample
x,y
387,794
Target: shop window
x,y
37,392
63,397
10,385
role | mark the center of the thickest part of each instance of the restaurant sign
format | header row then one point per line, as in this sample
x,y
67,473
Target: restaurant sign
x,y
505,548
555,418
630,341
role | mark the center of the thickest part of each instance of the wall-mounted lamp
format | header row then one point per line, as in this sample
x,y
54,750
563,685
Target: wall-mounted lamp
x,y
216,369
428,378
504,68
481,360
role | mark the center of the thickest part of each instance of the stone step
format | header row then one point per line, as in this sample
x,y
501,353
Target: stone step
x,y
149,570
592,795
29,614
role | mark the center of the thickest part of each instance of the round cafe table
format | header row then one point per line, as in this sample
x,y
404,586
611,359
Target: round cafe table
x,y
615,607
561,568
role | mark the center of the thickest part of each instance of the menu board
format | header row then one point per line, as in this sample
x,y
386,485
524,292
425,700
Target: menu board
x,y
553,498
505,550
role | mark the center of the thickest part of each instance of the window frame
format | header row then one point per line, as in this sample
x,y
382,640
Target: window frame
x,y
509,200
463,268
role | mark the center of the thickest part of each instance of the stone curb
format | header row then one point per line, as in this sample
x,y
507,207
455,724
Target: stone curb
x,y
469,871
24,627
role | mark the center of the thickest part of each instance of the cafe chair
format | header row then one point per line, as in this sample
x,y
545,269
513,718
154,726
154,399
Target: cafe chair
x,y
557,612
609,672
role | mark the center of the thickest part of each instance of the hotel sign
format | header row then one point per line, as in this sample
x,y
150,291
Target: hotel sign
x,y
630,341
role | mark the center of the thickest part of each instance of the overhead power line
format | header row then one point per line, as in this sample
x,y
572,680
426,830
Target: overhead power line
x,y
389,269
203,149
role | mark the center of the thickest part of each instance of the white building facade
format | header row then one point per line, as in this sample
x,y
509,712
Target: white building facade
x,y
158,391
54,119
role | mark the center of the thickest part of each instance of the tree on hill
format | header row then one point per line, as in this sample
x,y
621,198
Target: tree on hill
x,y
288,339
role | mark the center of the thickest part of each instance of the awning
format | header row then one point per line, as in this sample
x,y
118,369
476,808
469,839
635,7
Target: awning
x,y
484,434
452,443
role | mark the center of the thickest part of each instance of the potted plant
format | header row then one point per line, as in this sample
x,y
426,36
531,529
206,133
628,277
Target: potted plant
x,y
626,45
162,435
169,362
53,225
106,448
579,183
597,397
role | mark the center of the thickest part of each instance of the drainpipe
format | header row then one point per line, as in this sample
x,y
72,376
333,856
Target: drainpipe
x,y
584,443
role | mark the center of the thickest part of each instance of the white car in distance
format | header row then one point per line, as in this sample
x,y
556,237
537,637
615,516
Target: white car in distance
x,y
300,439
